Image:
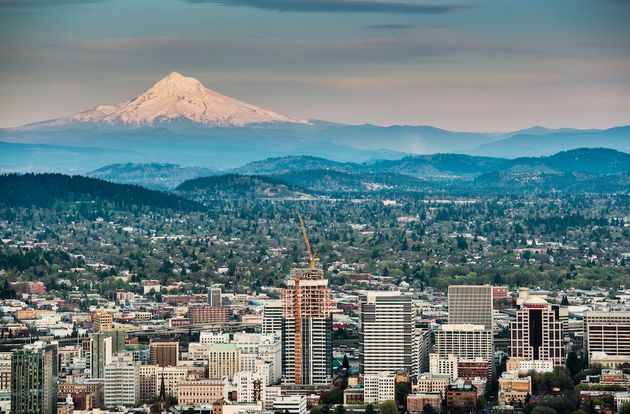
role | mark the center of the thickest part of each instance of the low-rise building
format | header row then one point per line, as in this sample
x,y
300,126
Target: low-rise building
x,y
430,383
379,387
195,393
461,398
206,314
294,404
513,390
417,402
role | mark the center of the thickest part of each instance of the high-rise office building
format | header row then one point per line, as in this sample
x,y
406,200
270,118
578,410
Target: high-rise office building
x,y
306,328
224,360
102,321
607,332
387,333
164,353
5,371
470,304
122,382
424,344
34,379
272,318
464,341
214,297
147,377
102,346
537,333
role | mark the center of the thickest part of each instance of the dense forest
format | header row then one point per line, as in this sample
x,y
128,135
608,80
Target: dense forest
x,y
45,190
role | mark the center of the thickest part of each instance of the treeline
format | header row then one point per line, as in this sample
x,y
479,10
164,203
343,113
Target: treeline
x,y
44,190
560,224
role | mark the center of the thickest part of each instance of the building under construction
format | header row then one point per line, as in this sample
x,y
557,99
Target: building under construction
x,y
307,324
306,329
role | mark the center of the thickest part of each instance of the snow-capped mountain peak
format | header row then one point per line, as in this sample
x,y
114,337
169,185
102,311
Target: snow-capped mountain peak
x,y
178,98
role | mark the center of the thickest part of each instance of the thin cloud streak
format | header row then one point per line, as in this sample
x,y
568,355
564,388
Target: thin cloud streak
x,y
391,26
338,6
33,3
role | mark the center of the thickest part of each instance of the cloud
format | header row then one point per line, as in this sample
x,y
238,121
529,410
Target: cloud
x,y
19,3
390,26
338,6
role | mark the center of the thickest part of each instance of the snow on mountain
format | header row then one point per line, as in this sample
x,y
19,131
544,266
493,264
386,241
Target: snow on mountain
x,y
177,98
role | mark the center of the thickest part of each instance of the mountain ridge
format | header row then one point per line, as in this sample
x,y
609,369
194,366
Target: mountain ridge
x,y
599,161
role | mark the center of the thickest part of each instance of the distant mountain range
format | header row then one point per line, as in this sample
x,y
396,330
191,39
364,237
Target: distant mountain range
x,y
305,177
180,121
155,176
406,174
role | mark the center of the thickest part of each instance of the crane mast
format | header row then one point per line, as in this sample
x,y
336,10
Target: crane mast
x,y
312,258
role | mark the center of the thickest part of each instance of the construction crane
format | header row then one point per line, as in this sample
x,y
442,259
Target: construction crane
x,y
312,258
297,305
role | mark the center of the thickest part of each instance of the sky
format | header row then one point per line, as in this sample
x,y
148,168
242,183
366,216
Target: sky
x,y
466,65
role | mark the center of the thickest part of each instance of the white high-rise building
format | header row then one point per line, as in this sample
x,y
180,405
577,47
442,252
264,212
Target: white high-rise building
x,y
470,304
122,382
387,333
537,333
272,318
255,347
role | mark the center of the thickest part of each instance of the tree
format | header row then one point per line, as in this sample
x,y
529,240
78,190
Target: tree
x,y
370,409
625,408
388,407
316,410
403,389
345,364
429,409
340,409
334,396
481,403
543,409
574,364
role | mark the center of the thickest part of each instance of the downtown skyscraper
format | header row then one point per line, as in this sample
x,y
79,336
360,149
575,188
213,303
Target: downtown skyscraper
x,y
470,304
306,328
34,379
537,333
387,333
